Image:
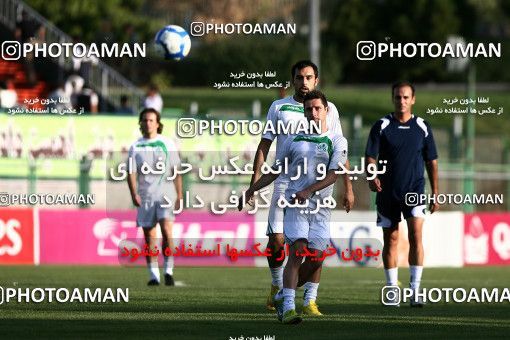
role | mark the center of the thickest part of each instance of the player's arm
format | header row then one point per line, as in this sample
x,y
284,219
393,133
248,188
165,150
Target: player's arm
x,y
131,179
262,182
430,158
337,127
431,167
348,193
260,158
178,190
175,162
330,178
371,154
375,184
264,145
267,178
339,156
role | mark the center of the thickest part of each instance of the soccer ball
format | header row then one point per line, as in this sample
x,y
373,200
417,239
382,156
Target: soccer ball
x,y
173,42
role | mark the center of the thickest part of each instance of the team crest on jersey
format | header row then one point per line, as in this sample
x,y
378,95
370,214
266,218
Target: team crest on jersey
x,y
322,147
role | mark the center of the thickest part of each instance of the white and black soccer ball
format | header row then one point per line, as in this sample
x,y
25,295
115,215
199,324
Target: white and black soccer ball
x,y
173,42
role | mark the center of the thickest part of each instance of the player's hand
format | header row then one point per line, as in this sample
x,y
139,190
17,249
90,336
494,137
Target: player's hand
x,y
248,195
375,185
178,204
137,200
433,206
302,196
251,202
348,200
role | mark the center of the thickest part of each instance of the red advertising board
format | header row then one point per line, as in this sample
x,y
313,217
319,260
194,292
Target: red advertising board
x,y
487,239
17,237
99,237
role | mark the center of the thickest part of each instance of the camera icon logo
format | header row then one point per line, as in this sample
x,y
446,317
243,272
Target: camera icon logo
x,y
411,199
197,28
4,199
11,50
366,50
186,128
390,295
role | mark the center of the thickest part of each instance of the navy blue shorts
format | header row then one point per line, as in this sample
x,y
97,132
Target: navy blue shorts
x,y
389,212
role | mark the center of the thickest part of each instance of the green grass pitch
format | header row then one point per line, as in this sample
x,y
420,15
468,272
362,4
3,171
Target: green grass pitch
x,y
224,303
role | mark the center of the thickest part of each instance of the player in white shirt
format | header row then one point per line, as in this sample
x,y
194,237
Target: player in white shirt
x,y
305,77
302,228
149,191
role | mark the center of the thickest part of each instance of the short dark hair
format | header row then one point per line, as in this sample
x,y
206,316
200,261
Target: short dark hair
x,y
400,84
158,118
301,65
316,94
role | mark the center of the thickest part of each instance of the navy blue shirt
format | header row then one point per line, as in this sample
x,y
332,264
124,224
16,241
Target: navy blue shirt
x,y
406,147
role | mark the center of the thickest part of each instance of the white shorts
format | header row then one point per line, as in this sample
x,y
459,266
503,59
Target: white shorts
x,y
275,216
312,227
150,212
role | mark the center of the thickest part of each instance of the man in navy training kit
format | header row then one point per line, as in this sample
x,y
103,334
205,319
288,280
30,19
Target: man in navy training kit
x,y
407,144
